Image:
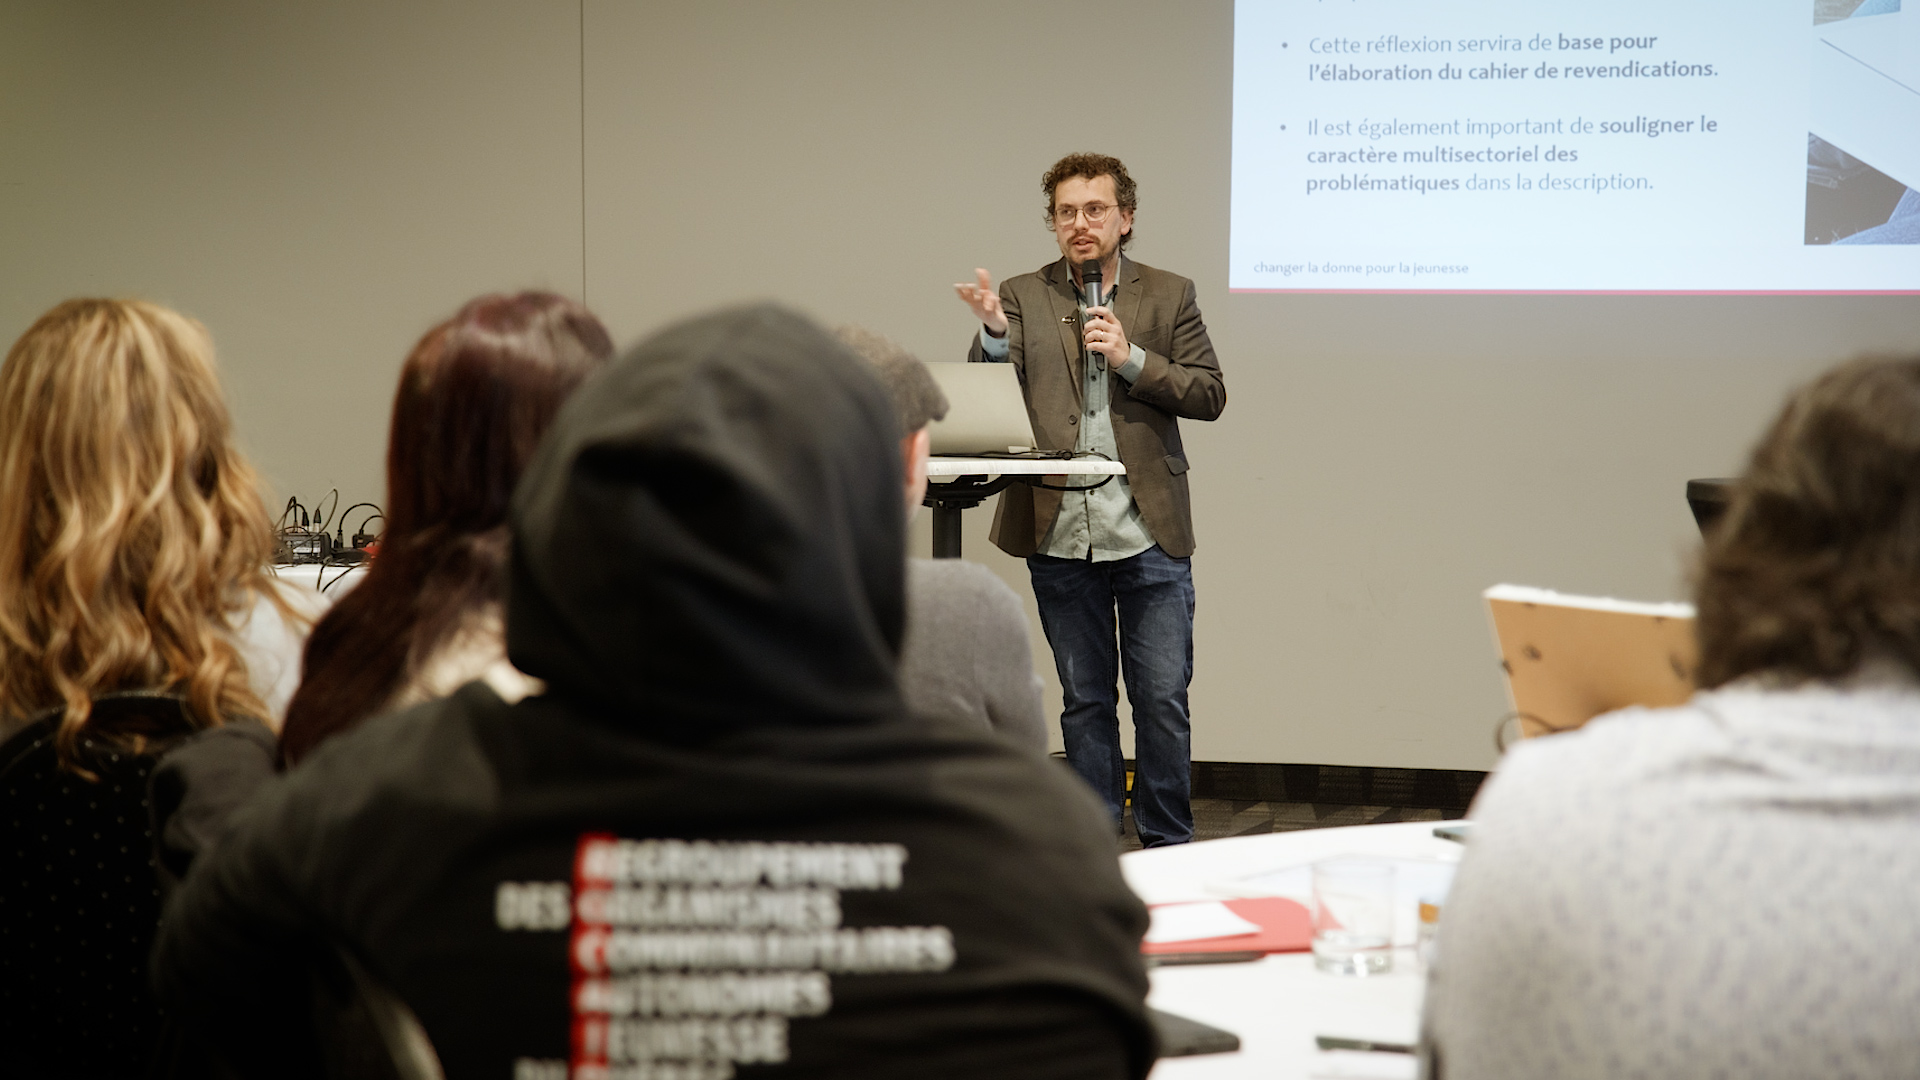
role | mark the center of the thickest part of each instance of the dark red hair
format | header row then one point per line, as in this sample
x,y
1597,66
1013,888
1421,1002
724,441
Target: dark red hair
x,y
475,396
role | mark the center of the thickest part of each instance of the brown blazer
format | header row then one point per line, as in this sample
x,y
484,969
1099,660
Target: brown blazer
x,y
1181,379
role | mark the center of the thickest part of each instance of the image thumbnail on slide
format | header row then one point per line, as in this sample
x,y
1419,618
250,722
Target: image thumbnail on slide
x,y
1848,200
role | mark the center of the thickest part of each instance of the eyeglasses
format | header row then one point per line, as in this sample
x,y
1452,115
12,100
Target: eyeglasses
x,y
1096,213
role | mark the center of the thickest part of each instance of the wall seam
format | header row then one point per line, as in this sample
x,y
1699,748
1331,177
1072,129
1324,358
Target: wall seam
x,y
583,151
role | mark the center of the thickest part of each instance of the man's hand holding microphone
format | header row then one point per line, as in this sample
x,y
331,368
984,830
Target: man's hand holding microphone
x,y
1103,334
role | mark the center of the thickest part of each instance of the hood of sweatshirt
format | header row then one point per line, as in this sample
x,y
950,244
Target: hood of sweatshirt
x,y
710,539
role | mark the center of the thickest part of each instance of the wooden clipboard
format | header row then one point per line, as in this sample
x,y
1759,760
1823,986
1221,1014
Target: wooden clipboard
x,y
1570,658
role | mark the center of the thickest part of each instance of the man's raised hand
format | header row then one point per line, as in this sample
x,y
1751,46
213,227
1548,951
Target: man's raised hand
x,y
979,296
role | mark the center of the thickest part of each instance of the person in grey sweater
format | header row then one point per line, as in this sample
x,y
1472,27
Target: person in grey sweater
x,y
967,656
1725,888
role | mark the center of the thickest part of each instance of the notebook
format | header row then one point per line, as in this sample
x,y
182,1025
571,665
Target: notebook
x,y
1284,926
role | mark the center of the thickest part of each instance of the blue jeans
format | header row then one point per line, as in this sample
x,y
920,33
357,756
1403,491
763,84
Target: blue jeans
x,y
1153,595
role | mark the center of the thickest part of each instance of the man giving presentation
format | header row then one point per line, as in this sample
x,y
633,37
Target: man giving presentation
x,y
1112,380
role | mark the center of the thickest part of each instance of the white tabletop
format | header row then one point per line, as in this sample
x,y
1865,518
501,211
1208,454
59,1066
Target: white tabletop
x,y
334,580
959,466
1277,1005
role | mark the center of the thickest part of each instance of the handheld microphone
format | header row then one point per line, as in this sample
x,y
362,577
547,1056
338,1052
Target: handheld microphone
x,y
1090,282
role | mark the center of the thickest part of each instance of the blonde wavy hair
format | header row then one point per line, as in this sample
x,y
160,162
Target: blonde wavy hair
x,y
130,526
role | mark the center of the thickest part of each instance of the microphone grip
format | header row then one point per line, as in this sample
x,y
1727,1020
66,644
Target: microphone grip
x,y
1090,282
1089,297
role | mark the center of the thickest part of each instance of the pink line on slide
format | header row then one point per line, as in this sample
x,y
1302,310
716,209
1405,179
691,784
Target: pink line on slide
x,y
1593,292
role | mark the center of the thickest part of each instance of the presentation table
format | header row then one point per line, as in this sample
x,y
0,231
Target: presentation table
x,y
969,481
1278,1005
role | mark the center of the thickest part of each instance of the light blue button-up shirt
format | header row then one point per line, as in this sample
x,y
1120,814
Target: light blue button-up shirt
x,y
1102,523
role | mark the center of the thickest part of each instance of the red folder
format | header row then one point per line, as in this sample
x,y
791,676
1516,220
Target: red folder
x,y
1285,926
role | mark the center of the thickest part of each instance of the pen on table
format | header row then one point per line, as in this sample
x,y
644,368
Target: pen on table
x,y
1334,1042
1180,959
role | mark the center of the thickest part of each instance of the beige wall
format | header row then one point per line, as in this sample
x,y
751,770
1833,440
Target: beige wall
x,y
318,183
321,183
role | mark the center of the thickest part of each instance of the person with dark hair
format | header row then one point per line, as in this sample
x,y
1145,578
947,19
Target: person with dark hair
x,y
717,839
1724,888
476,394
966,655
1111,380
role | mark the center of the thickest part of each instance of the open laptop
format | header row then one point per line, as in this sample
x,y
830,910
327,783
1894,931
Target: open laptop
x,y
986,413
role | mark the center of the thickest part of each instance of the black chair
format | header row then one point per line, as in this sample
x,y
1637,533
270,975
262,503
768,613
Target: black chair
x,y
79,902
364,1030
1708,500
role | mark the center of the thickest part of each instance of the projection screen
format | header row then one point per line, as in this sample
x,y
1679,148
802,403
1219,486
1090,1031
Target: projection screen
x,y
1713,146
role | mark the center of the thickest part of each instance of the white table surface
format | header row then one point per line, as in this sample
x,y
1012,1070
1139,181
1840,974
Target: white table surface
x,y
335,580
1277,1005
959,466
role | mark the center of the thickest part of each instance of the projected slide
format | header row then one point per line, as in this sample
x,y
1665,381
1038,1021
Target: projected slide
x,y
1599,146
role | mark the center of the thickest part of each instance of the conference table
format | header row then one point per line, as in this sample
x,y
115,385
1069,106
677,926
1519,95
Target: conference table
x,y
1278,1005
956,484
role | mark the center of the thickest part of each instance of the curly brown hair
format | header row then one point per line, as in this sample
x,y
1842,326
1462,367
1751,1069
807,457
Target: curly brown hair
x,y
1091,167
1816,563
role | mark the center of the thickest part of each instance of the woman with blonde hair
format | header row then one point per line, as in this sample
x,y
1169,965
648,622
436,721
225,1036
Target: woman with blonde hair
x,y
136,606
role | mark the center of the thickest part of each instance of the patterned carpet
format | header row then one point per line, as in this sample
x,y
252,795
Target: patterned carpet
x,y
1215,818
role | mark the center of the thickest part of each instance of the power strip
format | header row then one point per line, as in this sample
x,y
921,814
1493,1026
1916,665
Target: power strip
x,y
300,546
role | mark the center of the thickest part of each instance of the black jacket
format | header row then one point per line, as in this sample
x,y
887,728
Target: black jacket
x,y
718,842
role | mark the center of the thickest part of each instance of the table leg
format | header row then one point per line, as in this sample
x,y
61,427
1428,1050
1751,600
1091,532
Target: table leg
x,y
946,531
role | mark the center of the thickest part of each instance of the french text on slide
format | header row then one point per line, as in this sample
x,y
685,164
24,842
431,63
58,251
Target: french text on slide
x,y
1544,145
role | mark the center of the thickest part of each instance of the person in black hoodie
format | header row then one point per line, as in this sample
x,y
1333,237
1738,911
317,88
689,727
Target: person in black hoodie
x,y
718,844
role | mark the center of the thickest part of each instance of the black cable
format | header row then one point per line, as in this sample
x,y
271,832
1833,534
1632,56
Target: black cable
x,y
368,520
1075,456
1500,739
1063,487
335,558
1032,455
282,530
345,569
336,505
340,529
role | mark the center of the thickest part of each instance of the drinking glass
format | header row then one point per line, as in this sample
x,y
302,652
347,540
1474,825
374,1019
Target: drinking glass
x,y
1353,916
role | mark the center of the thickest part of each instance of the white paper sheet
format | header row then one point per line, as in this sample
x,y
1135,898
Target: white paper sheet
x,y
1196,922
